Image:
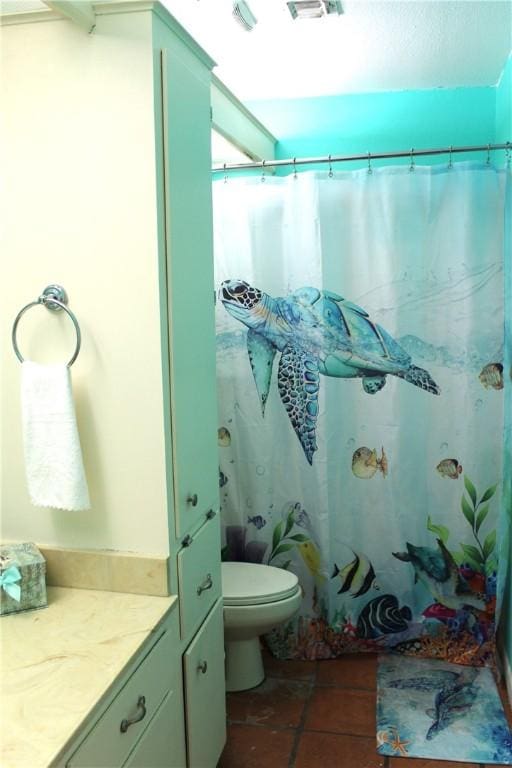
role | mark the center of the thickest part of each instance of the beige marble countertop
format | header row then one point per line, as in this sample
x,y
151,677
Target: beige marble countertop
x,y
58,662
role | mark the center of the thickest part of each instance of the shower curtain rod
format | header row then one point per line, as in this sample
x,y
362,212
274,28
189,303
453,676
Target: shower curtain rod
x,y
367,156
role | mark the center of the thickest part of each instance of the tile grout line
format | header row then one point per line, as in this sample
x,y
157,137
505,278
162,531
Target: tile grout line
x,y
300,727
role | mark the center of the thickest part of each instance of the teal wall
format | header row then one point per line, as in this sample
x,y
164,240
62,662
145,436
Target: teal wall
x,y
504,105
384,121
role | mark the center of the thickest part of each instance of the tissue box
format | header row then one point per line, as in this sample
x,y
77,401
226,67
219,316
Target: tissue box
x,y
22,578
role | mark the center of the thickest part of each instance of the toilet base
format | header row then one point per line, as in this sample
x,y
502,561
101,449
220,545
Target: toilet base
x,y
244,665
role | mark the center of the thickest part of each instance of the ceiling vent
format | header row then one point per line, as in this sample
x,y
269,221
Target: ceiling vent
x,y
314,9
244,15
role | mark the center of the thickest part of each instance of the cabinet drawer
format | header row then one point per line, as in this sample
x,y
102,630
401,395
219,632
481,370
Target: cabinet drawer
x,y
199,576
205,698
106,746
162,744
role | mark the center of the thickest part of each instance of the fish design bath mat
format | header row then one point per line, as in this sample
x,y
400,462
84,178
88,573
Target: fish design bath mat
x,y
440,711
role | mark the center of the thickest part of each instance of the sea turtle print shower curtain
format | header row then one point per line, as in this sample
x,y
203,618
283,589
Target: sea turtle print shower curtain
x,y
360,336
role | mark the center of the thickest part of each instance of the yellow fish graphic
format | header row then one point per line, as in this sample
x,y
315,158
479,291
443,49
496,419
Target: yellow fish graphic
x,y
224,437
491,376
365,463
311,556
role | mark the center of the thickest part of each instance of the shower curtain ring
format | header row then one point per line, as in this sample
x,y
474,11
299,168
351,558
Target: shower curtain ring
x,y
330,168
370,170
411,167
263,170
488,161
507,153
294,168
450,163
225,175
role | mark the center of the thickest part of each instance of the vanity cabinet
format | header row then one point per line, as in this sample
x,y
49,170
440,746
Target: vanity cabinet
x,y
193,472
189,286
142,724
109,194
199,576
202,633
203,671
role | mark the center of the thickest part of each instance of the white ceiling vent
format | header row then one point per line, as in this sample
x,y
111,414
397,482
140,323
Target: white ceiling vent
x,y
244,15
314,9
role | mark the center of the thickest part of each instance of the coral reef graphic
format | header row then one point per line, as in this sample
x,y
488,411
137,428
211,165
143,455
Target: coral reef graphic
x,y
458,624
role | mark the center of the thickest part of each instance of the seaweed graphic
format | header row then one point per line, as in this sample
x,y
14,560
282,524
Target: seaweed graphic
x,y
282,541
475,512
479,557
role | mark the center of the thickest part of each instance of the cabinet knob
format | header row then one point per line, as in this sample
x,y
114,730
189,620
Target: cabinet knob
x,y
192,500
202,667
187,541
207,584
141,714
211,513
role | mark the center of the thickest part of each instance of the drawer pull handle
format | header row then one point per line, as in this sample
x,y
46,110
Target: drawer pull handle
x,y
141,714
202,667
192,500
207,584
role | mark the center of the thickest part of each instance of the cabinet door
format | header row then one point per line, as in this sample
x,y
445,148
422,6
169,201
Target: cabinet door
x,y
107,745
205,698
190,288
199,577
163,742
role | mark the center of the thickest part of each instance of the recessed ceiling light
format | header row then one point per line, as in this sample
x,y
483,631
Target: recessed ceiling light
x,y
314,9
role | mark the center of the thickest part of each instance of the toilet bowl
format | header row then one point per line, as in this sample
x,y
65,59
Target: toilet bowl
x,y
256,599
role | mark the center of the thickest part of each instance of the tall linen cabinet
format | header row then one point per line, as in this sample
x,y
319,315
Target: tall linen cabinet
x,y
108,192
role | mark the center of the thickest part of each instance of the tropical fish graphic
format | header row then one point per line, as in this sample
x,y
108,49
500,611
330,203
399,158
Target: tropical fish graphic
x,y
258,521
452,701
438,571
357,577
382,616
449,468
317,333
311,556
365,463
223,437
491,376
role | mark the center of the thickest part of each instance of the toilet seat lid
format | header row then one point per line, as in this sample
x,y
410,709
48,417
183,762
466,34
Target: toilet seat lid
x,y
253,584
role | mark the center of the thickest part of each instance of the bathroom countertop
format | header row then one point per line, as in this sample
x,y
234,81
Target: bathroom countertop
x,y
58,662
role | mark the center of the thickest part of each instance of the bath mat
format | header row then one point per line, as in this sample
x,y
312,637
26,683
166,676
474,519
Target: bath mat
x,y
436,710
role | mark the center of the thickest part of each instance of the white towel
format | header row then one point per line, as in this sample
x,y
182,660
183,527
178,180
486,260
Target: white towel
x,y
53,458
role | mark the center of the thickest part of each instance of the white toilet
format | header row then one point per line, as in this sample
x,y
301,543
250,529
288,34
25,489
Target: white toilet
x,y
256,599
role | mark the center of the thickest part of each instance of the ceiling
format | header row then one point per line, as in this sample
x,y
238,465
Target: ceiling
x,y
372,46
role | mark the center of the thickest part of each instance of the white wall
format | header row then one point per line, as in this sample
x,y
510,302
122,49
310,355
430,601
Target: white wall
x,y
79,208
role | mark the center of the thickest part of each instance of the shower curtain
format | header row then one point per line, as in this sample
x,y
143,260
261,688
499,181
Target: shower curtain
x,y
360,336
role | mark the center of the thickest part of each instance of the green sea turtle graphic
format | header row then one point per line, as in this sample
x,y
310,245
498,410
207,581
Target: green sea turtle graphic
x,y
316,332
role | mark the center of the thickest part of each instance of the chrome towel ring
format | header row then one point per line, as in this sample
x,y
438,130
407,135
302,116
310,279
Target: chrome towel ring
x,y
53,297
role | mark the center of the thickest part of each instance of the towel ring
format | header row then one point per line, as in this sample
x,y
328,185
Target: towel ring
x,y
53,297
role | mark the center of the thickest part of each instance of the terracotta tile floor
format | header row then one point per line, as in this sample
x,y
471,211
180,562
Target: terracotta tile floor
x,y
311,714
